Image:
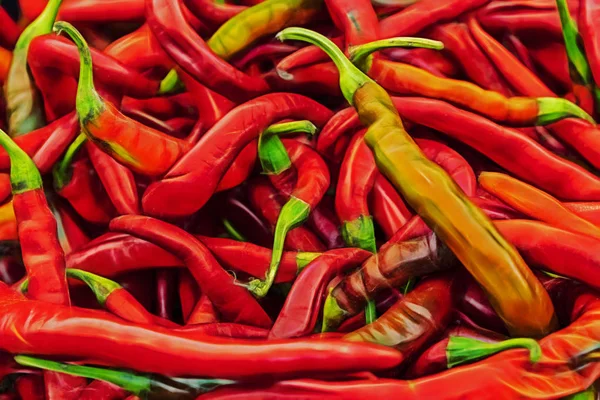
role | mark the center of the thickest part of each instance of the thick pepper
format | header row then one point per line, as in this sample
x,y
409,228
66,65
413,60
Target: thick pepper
x,y
454,218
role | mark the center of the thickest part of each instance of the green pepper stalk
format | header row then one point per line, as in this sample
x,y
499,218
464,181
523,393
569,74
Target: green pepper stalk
x,y
145,386
24,107
62,170
462,350
514,292
232,231
275,161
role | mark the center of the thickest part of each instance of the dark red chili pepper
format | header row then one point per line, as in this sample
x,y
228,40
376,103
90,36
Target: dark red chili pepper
x,y
552,60
101,390
75,181
165,293
118,181
232,301
589,12
117,300
458,41
189,293
203,312
313,79
299,314
357,176
63,386
42,255
269,51
518,48
70,234
10,30
30,387
269,203
217,150
214,12
389,210
112,131
476,306
58,331
392,267
93,11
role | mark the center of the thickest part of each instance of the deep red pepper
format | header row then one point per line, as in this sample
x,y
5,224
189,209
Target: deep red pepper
x,y
589,13
552,60
70,234
240,169
232,301
203,312
10,30
101,390
389,210
476,306
189,293
217,150
42,255
214,12
165,293
268,51
155,349
299,314
431,61
30,387
139,50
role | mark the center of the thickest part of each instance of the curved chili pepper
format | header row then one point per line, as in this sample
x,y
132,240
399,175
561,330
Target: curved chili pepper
x,y
112,131
237,210
357,176
217,149
70,235
310,187
64,131
30,387
269,51
240,168
536,203
306,56
339,124
589,12
478,309
214,12
166,20
356,19
117,300
589,211
102,390
403,78
232,301
518,48
392,267
5,61
389,210
313,79
103,11
23,104
445,207
554,175
265,199
189,293
148,386
159,351
42,255
299,314
139,50
74,182
460,44
118,181
165,293
551,57
162,107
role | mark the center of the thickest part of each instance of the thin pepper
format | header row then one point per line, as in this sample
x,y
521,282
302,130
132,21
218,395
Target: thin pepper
x,y
58,331
91,11
589,12
23,104
450,213
42,255
389,210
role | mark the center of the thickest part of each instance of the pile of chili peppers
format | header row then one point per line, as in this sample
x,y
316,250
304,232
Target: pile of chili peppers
x,y
304,199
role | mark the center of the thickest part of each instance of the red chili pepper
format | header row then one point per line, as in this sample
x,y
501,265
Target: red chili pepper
x,y
225,330
8,222
589,12
518,48
218,150
203,312
30,387
156,350
62,386
70,234
299,314
165,293
460,43
166,107
356,180
101,390
589,211
431,61
139,50
213,11
189,293
356,19
232,301
63,133
240,168
552,60
75,181
10,30
115,133
314,79
391,267
268,51
42,254
389,210
91,11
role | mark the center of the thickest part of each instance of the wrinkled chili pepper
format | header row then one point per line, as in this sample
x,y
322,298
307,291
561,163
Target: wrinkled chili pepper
x,y
299,314
114,133
23,104
42,255
232,301
159,351
217,150
397,155
402,78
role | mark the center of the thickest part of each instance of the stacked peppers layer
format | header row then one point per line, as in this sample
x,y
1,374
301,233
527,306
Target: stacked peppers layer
x,y
250,199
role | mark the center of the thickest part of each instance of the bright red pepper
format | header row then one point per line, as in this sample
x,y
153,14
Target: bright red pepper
x,y
389,210
139,50
62,386
101,390
589,12
203,312
93,11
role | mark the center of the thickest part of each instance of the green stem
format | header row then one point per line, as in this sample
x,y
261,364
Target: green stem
x,y
136,384
461,350
272,154
333,314
588,394
360,55
303,258
171,83
24,175
351,78
360,233
62,170
293,213
40,26
552,109
89,104
370,312
101,286
575,52
231,231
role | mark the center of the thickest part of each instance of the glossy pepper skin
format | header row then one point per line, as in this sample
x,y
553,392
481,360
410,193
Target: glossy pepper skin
x,y
589,12
389,210
217,149
232,301
143,149
42,254
446,208
159,351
